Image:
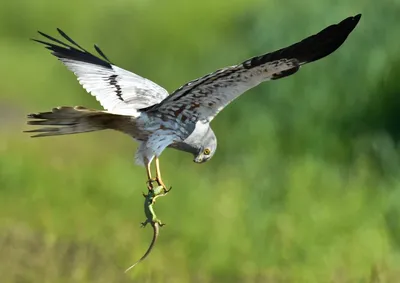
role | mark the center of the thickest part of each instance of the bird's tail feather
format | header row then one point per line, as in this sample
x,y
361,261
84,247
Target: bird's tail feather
x,y
73,120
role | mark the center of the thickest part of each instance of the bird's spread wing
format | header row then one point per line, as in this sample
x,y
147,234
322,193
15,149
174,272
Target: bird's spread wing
x,y
203,98
117,90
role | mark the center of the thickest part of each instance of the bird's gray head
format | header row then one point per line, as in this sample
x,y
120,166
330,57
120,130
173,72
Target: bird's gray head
x,y
206,148
201,145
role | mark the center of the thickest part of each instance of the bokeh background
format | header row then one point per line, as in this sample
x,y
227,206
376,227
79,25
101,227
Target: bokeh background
x,y
304,186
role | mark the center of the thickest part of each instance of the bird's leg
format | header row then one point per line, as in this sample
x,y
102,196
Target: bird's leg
x,y
157,179
150,180
158,175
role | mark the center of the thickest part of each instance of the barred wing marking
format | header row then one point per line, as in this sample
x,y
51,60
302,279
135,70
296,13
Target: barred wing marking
x,y
118,91
202,99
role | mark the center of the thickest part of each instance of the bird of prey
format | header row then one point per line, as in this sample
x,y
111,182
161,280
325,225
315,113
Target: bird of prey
x,y
142,109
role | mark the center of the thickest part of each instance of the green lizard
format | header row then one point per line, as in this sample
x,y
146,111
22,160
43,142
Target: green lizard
x,y
151,217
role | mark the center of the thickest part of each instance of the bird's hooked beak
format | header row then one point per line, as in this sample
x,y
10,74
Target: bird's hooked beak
x,y
199,158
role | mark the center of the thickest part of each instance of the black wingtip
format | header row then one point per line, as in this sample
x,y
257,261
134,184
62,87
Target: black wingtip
x,y
326,41
73,50
63,34
101,53
357,17
352,21
312,48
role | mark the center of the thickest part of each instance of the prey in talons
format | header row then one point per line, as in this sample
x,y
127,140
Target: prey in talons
x,y
151,218
150,180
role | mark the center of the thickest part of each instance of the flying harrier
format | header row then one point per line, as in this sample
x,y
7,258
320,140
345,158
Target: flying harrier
x,y
142,109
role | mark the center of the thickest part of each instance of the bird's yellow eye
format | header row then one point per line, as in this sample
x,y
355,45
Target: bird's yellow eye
x,y
207,151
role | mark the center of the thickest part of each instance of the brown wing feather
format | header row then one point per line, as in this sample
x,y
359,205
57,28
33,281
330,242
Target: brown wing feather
x,y
202,99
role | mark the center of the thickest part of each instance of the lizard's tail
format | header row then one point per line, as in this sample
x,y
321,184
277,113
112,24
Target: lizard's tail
x,y
156,232
73,120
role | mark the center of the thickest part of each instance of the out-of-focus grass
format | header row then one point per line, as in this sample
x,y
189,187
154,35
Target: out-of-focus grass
x,y
65,218
304,186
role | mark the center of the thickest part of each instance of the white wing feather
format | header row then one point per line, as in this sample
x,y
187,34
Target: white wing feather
x,y
124,93
118,91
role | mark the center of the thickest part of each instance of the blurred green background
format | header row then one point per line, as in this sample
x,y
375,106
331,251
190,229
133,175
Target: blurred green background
x,y
304,186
